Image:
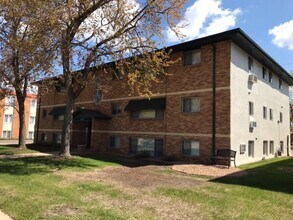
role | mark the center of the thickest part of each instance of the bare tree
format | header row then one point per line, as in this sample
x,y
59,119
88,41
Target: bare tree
x,y
26,49
94,32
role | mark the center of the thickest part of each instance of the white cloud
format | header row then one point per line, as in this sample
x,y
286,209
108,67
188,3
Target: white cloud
x,y
283,35
203,18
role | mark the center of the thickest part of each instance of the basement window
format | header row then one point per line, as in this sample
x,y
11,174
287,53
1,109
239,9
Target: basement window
x,y
114,142
190,148
151,147
192,57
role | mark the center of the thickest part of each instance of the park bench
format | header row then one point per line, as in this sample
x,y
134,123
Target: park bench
x,y
225,155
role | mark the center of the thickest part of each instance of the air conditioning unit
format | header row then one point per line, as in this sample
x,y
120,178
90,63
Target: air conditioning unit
x,y
252,124
252,78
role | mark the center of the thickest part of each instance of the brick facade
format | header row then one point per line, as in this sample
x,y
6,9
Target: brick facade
x,y
174,127
13,127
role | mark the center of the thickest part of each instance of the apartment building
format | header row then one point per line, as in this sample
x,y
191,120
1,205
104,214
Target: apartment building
x,y
9,119
225,92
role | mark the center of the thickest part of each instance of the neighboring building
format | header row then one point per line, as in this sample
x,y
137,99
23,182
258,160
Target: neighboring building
x,y
226,92
9,119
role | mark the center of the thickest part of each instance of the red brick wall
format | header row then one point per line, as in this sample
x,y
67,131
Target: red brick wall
x,y
15,122
196,79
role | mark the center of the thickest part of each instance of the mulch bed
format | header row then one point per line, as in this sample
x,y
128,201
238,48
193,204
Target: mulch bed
x,y
208,170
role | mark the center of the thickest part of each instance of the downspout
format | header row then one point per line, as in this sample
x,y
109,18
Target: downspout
x,y
38,124
165,116
214,104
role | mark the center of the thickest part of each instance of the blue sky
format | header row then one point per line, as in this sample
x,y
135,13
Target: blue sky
x,y
268,22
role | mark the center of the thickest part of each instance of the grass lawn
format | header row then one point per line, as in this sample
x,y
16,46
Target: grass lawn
x,y
265,193
10,150
54,188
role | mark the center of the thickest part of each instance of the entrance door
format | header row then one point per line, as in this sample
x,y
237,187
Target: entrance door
x,y
88,134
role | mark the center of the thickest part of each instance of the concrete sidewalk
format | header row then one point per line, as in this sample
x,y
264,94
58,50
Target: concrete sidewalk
x,y
12,142
4,216
37,154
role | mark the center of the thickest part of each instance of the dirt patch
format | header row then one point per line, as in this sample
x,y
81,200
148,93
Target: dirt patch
x,y
61,210
139,197
135,178
212,171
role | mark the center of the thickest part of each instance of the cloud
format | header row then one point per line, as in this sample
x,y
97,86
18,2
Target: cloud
x,y
283,35
203,18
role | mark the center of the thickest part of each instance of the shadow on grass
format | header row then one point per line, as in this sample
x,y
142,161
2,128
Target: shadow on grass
x,y
274,175
39,165
131,162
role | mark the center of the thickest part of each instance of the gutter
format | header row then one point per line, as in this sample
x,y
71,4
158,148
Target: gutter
x,y
214,104
36,139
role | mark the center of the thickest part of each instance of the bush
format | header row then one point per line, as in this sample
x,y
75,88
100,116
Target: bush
x,y
143,154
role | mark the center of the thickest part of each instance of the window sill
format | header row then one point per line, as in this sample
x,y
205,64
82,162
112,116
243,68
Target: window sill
x,y
191,65
140,119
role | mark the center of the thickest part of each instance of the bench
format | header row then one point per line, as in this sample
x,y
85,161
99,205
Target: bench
x,y
225,155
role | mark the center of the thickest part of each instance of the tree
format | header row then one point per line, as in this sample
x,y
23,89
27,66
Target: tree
x,y
26,49
94,32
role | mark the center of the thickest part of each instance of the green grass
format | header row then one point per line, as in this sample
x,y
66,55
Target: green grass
x,y
29,189
11,150
53,188
265,193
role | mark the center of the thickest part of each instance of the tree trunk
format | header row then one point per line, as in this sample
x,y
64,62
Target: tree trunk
x,y
67,125
22,127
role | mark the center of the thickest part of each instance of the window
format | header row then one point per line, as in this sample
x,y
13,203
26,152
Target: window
x,y
57,137
271,114
281,117
33,103
264,73
58,117
114,141
191,104
251,108
9,100
7,118
6,135
250,148
271,147
148,114
265,112
192,57
32,119
250,64
280,84
44,115
150,146
242,148
190,148
116,108
282,146
30,135
43,137
265,148
270,77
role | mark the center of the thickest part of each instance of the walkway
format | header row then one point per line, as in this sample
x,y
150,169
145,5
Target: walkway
x,y
13,142
15,156
4,216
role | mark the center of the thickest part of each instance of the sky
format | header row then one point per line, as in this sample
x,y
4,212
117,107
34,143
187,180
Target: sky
x,y
268,22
